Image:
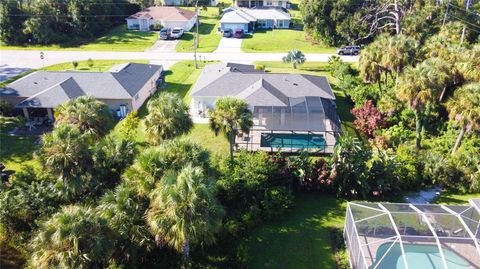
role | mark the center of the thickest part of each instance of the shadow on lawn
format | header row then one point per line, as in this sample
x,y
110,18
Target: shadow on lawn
x,y
16,148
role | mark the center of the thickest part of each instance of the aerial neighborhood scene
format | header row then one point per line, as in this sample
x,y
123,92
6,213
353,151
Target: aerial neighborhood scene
x,y
340,134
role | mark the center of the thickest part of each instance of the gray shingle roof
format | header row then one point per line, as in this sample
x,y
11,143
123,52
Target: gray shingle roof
x,y
123,84
221,80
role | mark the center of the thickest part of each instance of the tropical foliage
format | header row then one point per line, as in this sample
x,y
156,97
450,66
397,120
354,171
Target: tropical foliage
x,y
294,57
167,118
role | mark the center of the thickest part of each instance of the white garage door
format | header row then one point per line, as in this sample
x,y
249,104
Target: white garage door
x,y
235,26
183,25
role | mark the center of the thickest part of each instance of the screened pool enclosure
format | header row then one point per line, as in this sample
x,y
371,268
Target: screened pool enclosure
x,y
413,236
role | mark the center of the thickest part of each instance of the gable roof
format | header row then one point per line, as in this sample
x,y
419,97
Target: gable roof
x,y
55,95
165,14
258,87
237,16
42,87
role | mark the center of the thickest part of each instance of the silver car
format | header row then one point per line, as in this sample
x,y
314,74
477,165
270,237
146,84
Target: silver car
x,y
177,33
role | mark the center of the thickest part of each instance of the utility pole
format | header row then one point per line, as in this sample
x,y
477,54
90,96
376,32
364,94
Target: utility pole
x,y
195,43
446,13
465,27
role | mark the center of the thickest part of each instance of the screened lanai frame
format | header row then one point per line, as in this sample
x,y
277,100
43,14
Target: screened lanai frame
x,y
375,232
301,113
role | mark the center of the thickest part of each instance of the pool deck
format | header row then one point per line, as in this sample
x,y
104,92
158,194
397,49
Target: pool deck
x,y
252,142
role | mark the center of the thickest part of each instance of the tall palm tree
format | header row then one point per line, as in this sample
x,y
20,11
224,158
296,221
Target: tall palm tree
x,y
152,163
418,86
370,64
91,116
294,57
464,108
75,237
398,51
66,154
167,118
230,114
124,210
184,210
440,74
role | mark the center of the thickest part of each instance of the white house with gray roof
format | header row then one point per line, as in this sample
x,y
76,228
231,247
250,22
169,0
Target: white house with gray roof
x,y
124,87
249,19
281,103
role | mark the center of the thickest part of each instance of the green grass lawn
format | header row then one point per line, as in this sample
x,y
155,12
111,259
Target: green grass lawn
x,y
204,136
16,151
301,239
208,35
453,198
117,39
281,40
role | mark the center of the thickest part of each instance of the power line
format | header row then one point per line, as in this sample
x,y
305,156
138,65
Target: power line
x,y
462,9
462,20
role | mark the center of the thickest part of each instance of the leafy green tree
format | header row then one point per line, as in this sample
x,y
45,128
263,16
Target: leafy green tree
x,y
419,86
150,166
75,237
11,21
66,154
464,109
184,210
229,116
124,210
167,118
294,57
349,169
370,64
111,157
91,116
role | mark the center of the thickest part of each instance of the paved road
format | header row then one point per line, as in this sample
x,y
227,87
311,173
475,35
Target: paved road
x,y
28,59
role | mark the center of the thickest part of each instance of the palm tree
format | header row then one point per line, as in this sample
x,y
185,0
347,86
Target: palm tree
x,y
294,57
65,153
91,116
167,118
152,163
184,210
418,86
229,115
370,64
75,237
464,108
398,51
124,210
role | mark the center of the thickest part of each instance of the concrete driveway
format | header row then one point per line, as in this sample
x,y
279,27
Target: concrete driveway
x,y
229,45
163,46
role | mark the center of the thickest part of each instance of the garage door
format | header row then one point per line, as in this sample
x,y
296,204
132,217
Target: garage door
x,y
183,25
234,26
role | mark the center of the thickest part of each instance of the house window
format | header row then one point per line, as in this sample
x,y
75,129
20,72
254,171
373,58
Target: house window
x,y
269,2
280,3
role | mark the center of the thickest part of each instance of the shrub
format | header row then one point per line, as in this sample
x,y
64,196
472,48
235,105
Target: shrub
x,y
5,108
362,93
410,166
259,67
368,119
397,134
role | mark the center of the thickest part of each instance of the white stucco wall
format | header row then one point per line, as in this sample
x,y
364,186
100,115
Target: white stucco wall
x,y
185,25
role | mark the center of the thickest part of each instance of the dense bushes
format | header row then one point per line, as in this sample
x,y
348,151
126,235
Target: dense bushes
x,y
53,21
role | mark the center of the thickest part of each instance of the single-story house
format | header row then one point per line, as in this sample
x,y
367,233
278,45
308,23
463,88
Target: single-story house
x,y
281,103
170,17
261,3
249,19
184,3
124,88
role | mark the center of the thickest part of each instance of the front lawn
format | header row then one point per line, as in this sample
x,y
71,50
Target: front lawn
x,y
208,35
16,151
447,197
117,39
281,40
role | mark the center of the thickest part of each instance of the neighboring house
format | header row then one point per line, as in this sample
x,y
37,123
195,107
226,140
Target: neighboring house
x,y
212,3
282,104
250,19
124,88
260,3
169,17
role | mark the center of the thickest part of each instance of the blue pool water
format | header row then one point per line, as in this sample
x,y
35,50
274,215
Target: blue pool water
x,y
418,256
294,141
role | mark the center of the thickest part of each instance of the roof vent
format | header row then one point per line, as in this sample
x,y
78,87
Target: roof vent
x,y
295,84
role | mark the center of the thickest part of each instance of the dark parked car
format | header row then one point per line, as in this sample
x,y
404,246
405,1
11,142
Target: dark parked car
x,y
165,33
238,33
227,33
349,50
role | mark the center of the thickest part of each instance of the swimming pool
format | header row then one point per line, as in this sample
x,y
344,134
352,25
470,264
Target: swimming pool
x,y
418,256
294,141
